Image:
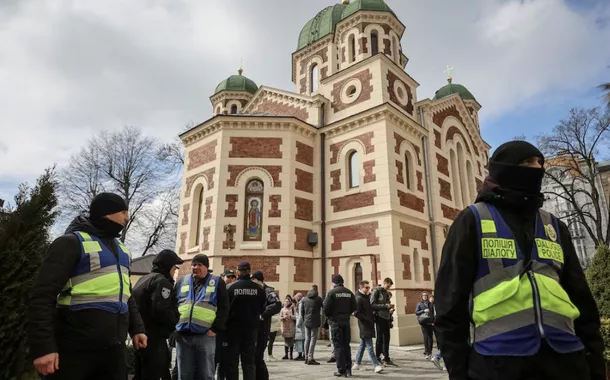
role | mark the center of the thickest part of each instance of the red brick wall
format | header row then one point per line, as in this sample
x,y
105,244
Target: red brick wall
x,y
406,272
362,45
360,231
445,189
365,138
323,53
411,201
301,242
449,212
185,214
304,180
304,209
274,170
442,164
208,208
273,242
205,246
411,232
369,176
336,263
454,131
439,117
335,175
394,98
352,201
202,155
412,297
426,264
276,108
208,174
182,249
399,139
400,175
229,242
303,270
304,153
255,147
231,211
275,211
266,264
437,139
365,78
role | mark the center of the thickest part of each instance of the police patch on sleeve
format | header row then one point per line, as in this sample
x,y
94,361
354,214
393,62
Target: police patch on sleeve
x,y
165,292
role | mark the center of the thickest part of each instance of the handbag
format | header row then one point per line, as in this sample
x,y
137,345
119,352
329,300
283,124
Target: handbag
x,y
424,319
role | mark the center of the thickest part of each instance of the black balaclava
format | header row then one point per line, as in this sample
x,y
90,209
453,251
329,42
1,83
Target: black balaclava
x,y
107,204
505,171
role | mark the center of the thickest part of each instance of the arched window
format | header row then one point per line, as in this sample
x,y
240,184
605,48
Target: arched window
x,y
374,43
455,179
352,48
471,185
217,110
314,77
462,175
408,170
233,109
197,220
253,218
354,170
357,276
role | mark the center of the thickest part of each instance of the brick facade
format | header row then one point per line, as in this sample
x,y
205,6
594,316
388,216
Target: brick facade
x,y
365,77
304,209
437,139
255,147
411,232
202,155
185,214
231,211
277,108
274,211
303,270
406,272
335,176
182,249
359,231
412,297
304,180
229,242
411,201
266,264
353,201
426,264
392,78
449,212
208,208
205,246
366,139
301,241
445,189
274,170
208,174
369,176
439,117
304,153
273,242
452,131
442,164
400,178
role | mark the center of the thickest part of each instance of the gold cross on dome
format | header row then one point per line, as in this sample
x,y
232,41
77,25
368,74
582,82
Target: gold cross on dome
x,y
448,71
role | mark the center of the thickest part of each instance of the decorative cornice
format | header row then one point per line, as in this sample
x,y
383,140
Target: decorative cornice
x,y
283,123
373,17
230,95
280,96
469,123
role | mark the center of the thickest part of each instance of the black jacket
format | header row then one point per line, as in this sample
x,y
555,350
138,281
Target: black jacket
x,y
248,302
379,301
312,308
364,313
422,306
457,271
273,304
156,299
339,305
51,329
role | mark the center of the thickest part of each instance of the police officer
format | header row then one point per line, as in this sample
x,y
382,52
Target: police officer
x,y
534,315
159,310
247,304
222,341
339,305
273,306
80,308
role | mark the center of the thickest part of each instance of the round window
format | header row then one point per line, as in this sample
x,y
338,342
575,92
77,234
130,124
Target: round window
x,y
351,91
401,93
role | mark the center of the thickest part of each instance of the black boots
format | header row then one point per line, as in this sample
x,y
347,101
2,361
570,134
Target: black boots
x,y
286,355
291,348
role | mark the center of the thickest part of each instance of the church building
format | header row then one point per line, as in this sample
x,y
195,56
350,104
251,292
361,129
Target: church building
x,y
351,173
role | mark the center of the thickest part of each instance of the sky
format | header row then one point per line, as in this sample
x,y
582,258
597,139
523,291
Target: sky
x,y
69,69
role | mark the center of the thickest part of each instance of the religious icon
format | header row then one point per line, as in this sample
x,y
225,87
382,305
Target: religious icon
x,y
253,218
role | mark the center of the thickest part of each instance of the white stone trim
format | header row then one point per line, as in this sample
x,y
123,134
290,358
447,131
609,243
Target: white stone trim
x,y
345,97
268,183
404,99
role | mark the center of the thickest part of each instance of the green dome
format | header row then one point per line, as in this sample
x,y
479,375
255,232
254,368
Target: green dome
x,y
451,89
365,5
237,83
321,25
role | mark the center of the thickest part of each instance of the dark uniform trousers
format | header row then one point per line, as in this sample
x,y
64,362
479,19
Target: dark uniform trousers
x,y
242,344
341,335
108,364
382,344
222,355
262,373
152,363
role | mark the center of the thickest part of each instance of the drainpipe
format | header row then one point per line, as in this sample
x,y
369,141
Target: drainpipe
x,y
322,199
422,121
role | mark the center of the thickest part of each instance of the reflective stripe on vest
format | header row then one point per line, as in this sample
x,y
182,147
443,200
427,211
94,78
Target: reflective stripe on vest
x,y
515,303
100,279
197,311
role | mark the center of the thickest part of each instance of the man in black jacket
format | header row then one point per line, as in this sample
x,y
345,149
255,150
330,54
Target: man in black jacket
x,y
85,325
156,301
273,306
511,195
248,302
312,315
366,324
380,301
339,305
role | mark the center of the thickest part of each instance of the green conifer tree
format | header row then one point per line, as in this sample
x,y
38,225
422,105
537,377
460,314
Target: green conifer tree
x,y
598,275
24,240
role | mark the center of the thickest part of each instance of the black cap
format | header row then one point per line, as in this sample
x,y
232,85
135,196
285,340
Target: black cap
x,y
514,152
106,204
228,272
258,275
201,259
244,265
337,279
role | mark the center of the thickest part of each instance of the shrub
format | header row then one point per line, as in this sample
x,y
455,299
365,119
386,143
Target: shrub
x,y
598,276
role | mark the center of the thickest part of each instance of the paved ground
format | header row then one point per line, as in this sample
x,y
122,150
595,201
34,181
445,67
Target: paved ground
x,y
410,360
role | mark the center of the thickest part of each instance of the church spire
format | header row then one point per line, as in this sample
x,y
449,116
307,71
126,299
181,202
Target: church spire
x,y
448,71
